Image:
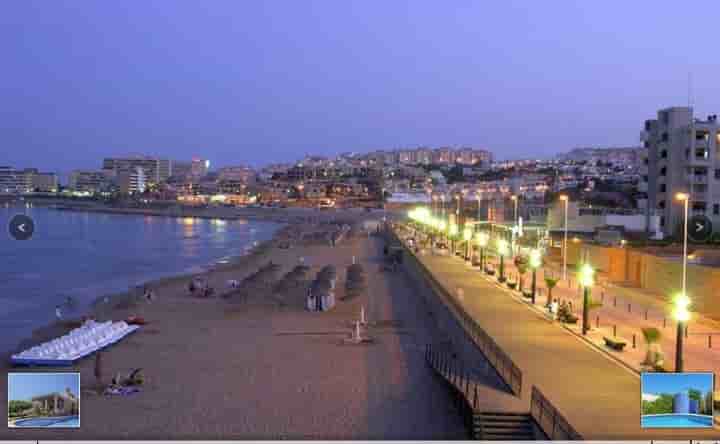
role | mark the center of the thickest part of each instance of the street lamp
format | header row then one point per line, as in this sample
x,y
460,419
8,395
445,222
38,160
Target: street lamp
x,y
564,198
515,213
502,246
478,193
681,315
585,276
685,198
535,262
452,232
482,241
467,237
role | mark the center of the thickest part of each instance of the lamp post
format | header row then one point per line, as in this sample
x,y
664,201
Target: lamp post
x,y
467,237
535,262
482,240
682,315
515,212
564,199
685,198
502,246
452,232
478,193
586,280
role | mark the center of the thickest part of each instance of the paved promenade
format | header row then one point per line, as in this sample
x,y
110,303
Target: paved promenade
x,y
599,397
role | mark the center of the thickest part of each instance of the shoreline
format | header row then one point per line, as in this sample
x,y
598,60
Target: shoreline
x,y
103,303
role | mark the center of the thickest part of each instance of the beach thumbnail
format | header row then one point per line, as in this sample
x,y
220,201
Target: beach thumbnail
x,y
677,400
44,400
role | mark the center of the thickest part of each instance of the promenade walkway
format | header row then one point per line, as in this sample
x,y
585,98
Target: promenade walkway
x,y
626,311
599,397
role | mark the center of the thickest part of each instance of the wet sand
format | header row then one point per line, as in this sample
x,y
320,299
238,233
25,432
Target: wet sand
x,y
261,367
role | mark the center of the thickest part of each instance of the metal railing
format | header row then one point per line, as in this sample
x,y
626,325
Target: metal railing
x,y
550,420
505,367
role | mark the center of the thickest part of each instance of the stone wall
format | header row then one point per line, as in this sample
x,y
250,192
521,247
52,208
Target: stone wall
x,y
661,275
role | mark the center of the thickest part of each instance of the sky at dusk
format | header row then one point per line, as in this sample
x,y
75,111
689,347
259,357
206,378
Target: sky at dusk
x,y
246,81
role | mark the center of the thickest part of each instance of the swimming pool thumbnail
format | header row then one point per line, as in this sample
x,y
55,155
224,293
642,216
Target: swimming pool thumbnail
x,y
43,400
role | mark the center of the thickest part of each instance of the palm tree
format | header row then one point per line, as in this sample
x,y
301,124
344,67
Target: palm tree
x,y
551,283
652,339
521,264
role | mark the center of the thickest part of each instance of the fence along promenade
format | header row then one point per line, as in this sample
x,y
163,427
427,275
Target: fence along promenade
x,y
548,418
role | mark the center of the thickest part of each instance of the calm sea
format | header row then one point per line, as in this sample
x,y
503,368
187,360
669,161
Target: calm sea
x,y
86,255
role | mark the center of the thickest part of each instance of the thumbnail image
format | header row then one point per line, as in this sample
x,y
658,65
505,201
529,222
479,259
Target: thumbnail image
x,y
42,400
677,400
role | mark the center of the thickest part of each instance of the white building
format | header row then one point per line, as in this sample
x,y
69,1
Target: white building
x,y
682,156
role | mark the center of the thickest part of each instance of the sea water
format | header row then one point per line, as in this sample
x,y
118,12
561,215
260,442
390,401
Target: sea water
x,y
84,255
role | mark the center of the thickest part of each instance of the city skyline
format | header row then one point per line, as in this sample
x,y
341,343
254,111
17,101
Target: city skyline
x,y
220,81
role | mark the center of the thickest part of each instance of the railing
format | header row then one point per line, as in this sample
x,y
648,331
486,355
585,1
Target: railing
x,y
455,373
505,367
550,420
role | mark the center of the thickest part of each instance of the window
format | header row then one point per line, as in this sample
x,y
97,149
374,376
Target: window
x,y
645,178
701,135
646,161
661,204
663,187
717,173
663,171
662,221
699,207
716,209
701,153
663,154
665,137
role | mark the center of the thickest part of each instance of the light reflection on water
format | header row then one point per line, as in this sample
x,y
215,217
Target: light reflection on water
x,y
90,254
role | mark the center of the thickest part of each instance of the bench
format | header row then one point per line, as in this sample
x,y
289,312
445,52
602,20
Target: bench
x,y
615,343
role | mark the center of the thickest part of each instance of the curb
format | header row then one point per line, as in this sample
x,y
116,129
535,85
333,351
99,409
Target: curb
x,y
598,348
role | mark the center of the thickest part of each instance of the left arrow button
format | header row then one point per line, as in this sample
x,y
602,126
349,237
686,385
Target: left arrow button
x,y
21,227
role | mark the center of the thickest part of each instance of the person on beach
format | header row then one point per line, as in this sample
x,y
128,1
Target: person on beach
x,y
58,312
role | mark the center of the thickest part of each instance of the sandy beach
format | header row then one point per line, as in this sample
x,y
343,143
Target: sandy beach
x,y
257,365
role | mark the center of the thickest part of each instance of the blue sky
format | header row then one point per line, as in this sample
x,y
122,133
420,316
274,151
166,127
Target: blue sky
x,y
656,383
260,81
24,386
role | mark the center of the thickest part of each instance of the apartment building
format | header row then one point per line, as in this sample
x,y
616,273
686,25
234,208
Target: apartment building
x,y
88,181
156,170
11,180
132,180
682,156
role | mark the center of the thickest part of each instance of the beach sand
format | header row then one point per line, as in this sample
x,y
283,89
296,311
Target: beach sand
x,y
247,368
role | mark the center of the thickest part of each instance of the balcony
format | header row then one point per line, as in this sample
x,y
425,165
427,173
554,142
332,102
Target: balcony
x,y
696,178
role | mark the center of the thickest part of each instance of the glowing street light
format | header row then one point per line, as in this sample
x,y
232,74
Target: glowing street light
x,y
482,240
452,233
585,277
467,237
502,247
682,316
535,262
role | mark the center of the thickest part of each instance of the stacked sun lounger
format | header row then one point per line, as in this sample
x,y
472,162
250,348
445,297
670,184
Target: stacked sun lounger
x,y
80,342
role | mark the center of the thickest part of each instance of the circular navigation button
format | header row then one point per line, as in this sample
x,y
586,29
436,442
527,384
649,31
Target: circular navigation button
x,y
21,227
699,228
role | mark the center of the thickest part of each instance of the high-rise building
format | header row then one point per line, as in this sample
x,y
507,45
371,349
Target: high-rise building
x,y
132,181
199,167
682,156
34,180
11,180
156,170
89,181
